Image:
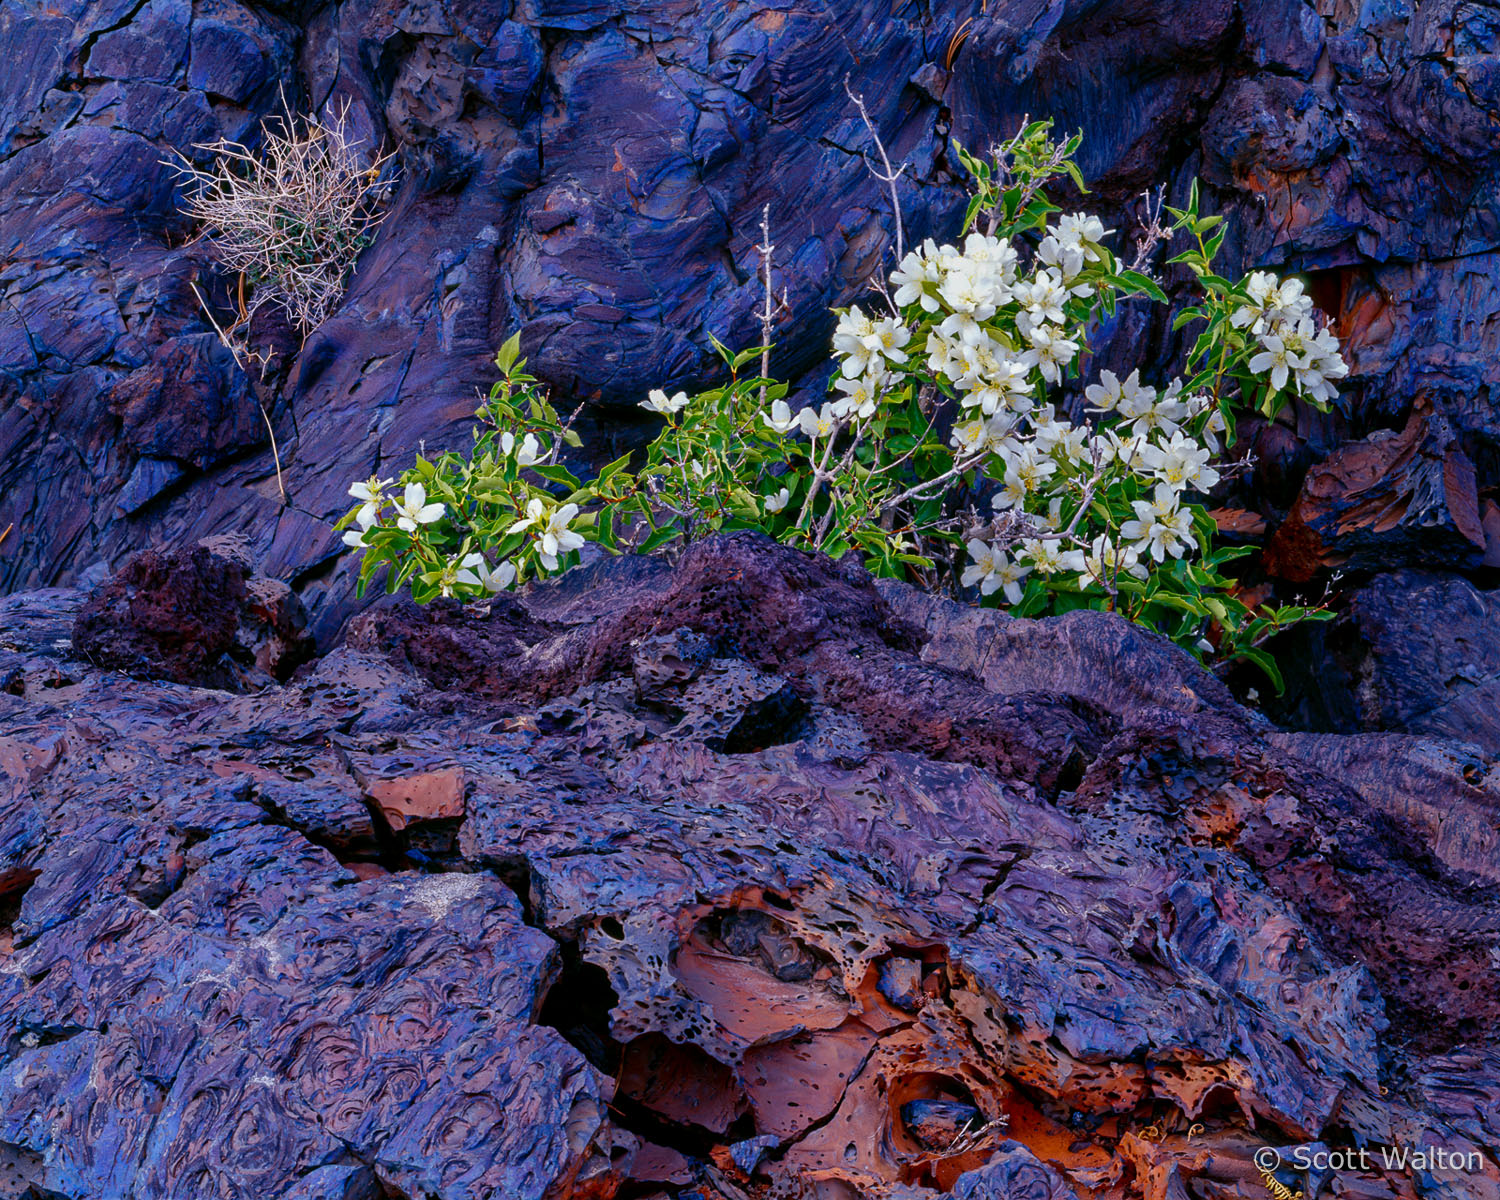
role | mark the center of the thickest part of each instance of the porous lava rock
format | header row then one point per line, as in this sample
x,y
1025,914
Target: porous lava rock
x,y
194,616
968,914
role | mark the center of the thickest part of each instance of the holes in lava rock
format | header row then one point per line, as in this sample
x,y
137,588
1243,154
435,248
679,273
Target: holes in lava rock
x,y
669,1094
578,1006
908,980
775,720
693,1100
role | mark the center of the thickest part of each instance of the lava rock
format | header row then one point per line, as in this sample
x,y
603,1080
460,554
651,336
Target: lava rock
x,y
1413,652
193,616
591,954
937,1124
1393,499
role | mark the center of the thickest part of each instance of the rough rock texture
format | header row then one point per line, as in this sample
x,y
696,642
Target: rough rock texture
x,y
978,907
1393,499
1413,652
592,172
194,616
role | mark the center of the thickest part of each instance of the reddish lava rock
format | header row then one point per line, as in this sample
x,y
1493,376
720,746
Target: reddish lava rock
x,y
193,616
1391,500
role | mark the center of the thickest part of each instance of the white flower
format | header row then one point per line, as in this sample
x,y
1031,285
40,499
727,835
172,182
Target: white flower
x,y
1214,425
659,402
1049,354
1324,364
859,398
498,579
850,334
780,417
818,424
967,436
535,509
1104,561
970,300
461,571
1278,358
413,509
372,492
1160,526
997,431
1007,575
1180,462
1049,558
983,565
917,277
774,504
1048,430
946,355
1104,396
996,254
1083,232
355,538
1136,400
1067,261
1164,416
1044,297
992,569
553,536
1025,472
529,452
888,339
474,571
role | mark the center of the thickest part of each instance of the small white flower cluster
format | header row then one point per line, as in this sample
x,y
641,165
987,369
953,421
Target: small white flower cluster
x,y
547,523
411,510
1280,317
1043,461
870,351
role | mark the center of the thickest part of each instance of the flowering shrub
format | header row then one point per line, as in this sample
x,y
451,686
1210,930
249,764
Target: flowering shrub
x,y
943,451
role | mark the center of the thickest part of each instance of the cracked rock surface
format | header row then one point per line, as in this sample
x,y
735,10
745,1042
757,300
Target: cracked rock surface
x,y
739,877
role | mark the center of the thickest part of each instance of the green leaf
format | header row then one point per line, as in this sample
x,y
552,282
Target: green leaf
x,y
1144,284
659,538
505,357
1267,664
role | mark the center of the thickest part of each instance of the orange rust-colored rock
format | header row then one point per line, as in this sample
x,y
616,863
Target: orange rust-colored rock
x,y
429,796
1392,499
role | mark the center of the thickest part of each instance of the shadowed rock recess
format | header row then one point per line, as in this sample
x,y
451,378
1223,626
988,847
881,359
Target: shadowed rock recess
x,y
735,878
592,173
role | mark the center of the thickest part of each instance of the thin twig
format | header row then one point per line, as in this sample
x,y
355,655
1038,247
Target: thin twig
x,y
889,177
229,345
766,248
